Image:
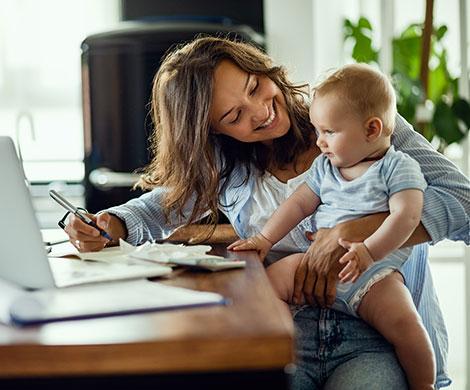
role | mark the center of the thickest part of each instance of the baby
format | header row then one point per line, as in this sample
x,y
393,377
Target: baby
x,y
359,173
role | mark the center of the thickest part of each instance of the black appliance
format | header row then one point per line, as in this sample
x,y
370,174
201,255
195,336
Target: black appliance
x,y
249,12
117,72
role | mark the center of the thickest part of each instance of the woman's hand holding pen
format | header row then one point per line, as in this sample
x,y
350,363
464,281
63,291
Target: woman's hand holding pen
x,y
88,239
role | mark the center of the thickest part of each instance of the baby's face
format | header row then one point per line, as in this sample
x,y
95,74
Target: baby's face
x,y
341,133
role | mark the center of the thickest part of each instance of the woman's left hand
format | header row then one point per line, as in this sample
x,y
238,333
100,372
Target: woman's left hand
x,y
317,273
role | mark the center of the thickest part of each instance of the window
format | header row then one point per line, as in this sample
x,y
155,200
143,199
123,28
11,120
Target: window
x,y
40,85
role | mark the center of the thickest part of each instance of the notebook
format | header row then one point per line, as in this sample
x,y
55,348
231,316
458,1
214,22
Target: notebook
x,y
97,300
24,266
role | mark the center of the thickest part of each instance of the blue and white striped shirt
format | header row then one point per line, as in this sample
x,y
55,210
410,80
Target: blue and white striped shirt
x,y
446,214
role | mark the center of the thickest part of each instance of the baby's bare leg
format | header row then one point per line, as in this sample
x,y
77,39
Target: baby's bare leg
x,y
282,273
388,307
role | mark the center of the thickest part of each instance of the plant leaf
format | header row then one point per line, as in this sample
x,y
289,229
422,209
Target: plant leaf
x,y
409,95
363,51
438,82
407,55
445,123
440,32
364,23
461,108
360,34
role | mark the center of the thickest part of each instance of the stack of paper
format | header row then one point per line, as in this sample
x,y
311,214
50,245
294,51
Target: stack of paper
x,y
168,254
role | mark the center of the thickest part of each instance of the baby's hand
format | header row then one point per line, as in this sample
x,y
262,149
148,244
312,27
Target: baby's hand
x,y
358,259
258,243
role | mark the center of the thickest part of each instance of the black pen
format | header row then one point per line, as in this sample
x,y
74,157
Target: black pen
x,y
76,211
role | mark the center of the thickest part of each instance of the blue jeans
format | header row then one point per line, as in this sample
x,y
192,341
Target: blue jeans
x,y
337,352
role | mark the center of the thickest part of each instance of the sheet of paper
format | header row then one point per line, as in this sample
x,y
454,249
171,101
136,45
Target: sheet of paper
x,y
53,236
167,253
107,255
151,253
69,272
162,253
179,254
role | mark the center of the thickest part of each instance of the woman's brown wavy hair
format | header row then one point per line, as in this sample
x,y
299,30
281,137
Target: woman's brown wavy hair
x,y
183,146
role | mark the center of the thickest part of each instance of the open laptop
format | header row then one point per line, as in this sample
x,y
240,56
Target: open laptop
x,y
23,258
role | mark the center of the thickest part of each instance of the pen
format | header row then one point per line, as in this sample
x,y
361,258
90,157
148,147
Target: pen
x,y
76,211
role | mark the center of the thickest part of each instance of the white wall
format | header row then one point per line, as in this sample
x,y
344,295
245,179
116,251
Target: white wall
x,y
306,36
289,32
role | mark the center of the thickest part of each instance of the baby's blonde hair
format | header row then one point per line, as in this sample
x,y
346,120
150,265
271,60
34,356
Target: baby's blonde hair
x,y
365,90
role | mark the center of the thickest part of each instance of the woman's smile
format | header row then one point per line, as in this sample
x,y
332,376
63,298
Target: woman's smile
x,y
270,122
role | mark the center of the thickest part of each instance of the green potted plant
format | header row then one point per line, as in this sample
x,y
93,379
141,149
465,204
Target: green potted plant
x,y
435,109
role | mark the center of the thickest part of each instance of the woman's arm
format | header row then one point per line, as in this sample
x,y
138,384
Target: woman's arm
x,y
446,212
357,229
317,274
144,217
136,221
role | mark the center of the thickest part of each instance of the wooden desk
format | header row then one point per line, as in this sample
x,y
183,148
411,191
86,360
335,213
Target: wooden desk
x,y
251,334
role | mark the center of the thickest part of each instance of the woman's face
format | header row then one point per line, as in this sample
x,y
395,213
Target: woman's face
x,y
247,107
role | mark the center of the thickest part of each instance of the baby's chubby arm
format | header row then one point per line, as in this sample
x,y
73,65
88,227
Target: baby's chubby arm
x,y
405,215
294,209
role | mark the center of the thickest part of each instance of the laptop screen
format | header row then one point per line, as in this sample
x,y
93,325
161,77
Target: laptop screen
x,y
23,258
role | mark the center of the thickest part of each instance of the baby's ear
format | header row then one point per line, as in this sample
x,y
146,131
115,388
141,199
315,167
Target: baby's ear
x,y
374,128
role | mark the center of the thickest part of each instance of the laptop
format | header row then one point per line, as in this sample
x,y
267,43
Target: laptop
x,y
23,257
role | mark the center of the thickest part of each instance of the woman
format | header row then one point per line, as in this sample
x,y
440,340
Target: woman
x,y
232,133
